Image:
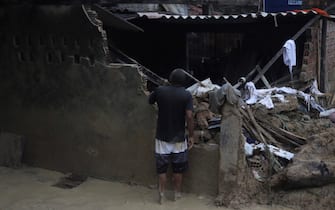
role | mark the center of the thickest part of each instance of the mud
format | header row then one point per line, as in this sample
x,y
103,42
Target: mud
x,y
30,188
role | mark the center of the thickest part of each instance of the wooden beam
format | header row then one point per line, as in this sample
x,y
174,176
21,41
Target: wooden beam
x,y
263,78
280,52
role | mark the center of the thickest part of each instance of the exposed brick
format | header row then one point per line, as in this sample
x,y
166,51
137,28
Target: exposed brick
x,y
305,61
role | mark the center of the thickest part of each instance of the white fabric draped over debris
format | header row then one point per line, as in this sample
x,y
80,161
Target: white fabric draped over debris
x,y
264,96
198,90
226,93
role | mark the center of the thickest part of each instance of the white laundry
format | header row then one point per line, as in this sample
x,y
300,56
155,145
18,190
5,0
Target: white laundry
x,y
289,55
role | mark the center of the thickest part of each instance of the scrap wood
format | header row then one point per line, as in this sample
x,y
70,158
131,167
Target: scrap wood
x,y
332,100
298,140
278,136
264,80
147,73
195,79
293,136
248,126
252,125
259,133
250,129
259,128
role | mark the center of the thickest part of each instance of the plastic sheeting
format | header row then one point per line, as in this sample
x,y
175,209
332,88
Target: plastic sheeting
x,y
263,96
198,90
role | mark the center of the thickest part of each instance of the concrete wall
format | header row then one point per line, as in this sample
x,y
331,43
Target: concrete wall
x,y
75,113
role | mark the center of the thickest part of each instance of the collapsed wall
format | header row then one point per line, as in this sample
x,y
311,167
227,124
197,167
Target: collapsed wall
x,y
77,113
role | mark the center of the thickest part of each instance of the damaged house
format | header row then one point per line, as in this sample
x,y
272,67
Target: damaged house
x,y
74,80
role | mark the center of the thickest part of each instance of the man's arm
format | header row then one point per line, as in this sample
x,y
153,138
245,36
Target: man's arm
x,y
190,128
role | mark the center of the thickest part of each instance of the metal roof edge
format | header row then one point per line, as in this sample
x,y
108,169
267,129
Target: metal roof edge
x,y
157,15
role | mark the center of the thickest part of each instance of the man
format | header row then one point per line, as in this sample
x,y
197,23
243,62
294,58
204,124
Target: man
x,y
174,107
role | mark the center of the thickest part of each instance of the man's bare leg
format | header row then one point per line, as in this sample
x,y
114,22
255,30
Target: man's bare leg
x,y
177,178
161,187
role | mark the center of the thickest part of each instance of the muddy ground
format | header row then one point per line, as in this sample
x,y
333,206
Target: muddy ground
x,y
31,188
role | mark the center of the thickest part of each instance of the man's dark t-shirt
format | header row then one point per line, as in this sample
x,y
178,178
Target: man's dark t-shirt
x,y
172,104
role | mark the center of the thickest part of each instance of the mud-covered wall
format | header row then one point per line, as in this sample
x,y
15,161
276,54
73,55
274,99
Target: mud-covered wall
x,y
76,113
330,57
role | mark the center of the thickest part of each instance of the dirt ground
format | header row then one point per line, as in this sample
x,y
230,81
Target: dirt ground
x,y
31,188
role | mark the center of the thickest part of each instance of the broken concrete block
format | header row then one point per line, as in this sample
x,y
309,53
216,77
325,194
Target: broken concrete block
x,y
11,149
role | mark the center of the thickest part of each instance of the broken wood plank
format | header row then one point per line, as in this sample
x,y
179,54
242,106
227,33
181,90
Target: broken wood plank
x,y
195,79
293,136
259,128
280,137
284,134
250,129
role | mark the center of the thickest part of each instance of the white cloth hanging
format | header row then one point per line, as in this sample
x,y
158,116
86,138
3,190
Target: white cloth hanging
x,y
289,55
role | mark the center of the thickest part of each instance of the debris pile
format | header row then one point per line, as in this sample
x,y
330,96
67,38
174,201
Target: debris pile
x,y
289,133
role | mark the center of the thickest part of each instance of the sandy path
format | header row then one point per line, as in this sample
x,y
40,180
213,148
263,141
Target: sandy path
x,y
31,188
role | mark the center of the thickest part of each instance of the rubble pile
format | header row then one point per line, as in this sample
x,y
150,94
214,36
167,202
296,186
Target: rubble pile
x,y
289,134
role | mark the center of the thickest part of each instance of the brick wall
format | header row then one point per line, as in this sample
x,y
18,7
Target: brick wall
x,y
310,64
330,57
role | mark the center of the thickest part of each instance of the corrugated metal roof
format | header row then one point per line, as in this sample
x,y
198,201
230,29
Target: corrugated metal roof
x,y
156,15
